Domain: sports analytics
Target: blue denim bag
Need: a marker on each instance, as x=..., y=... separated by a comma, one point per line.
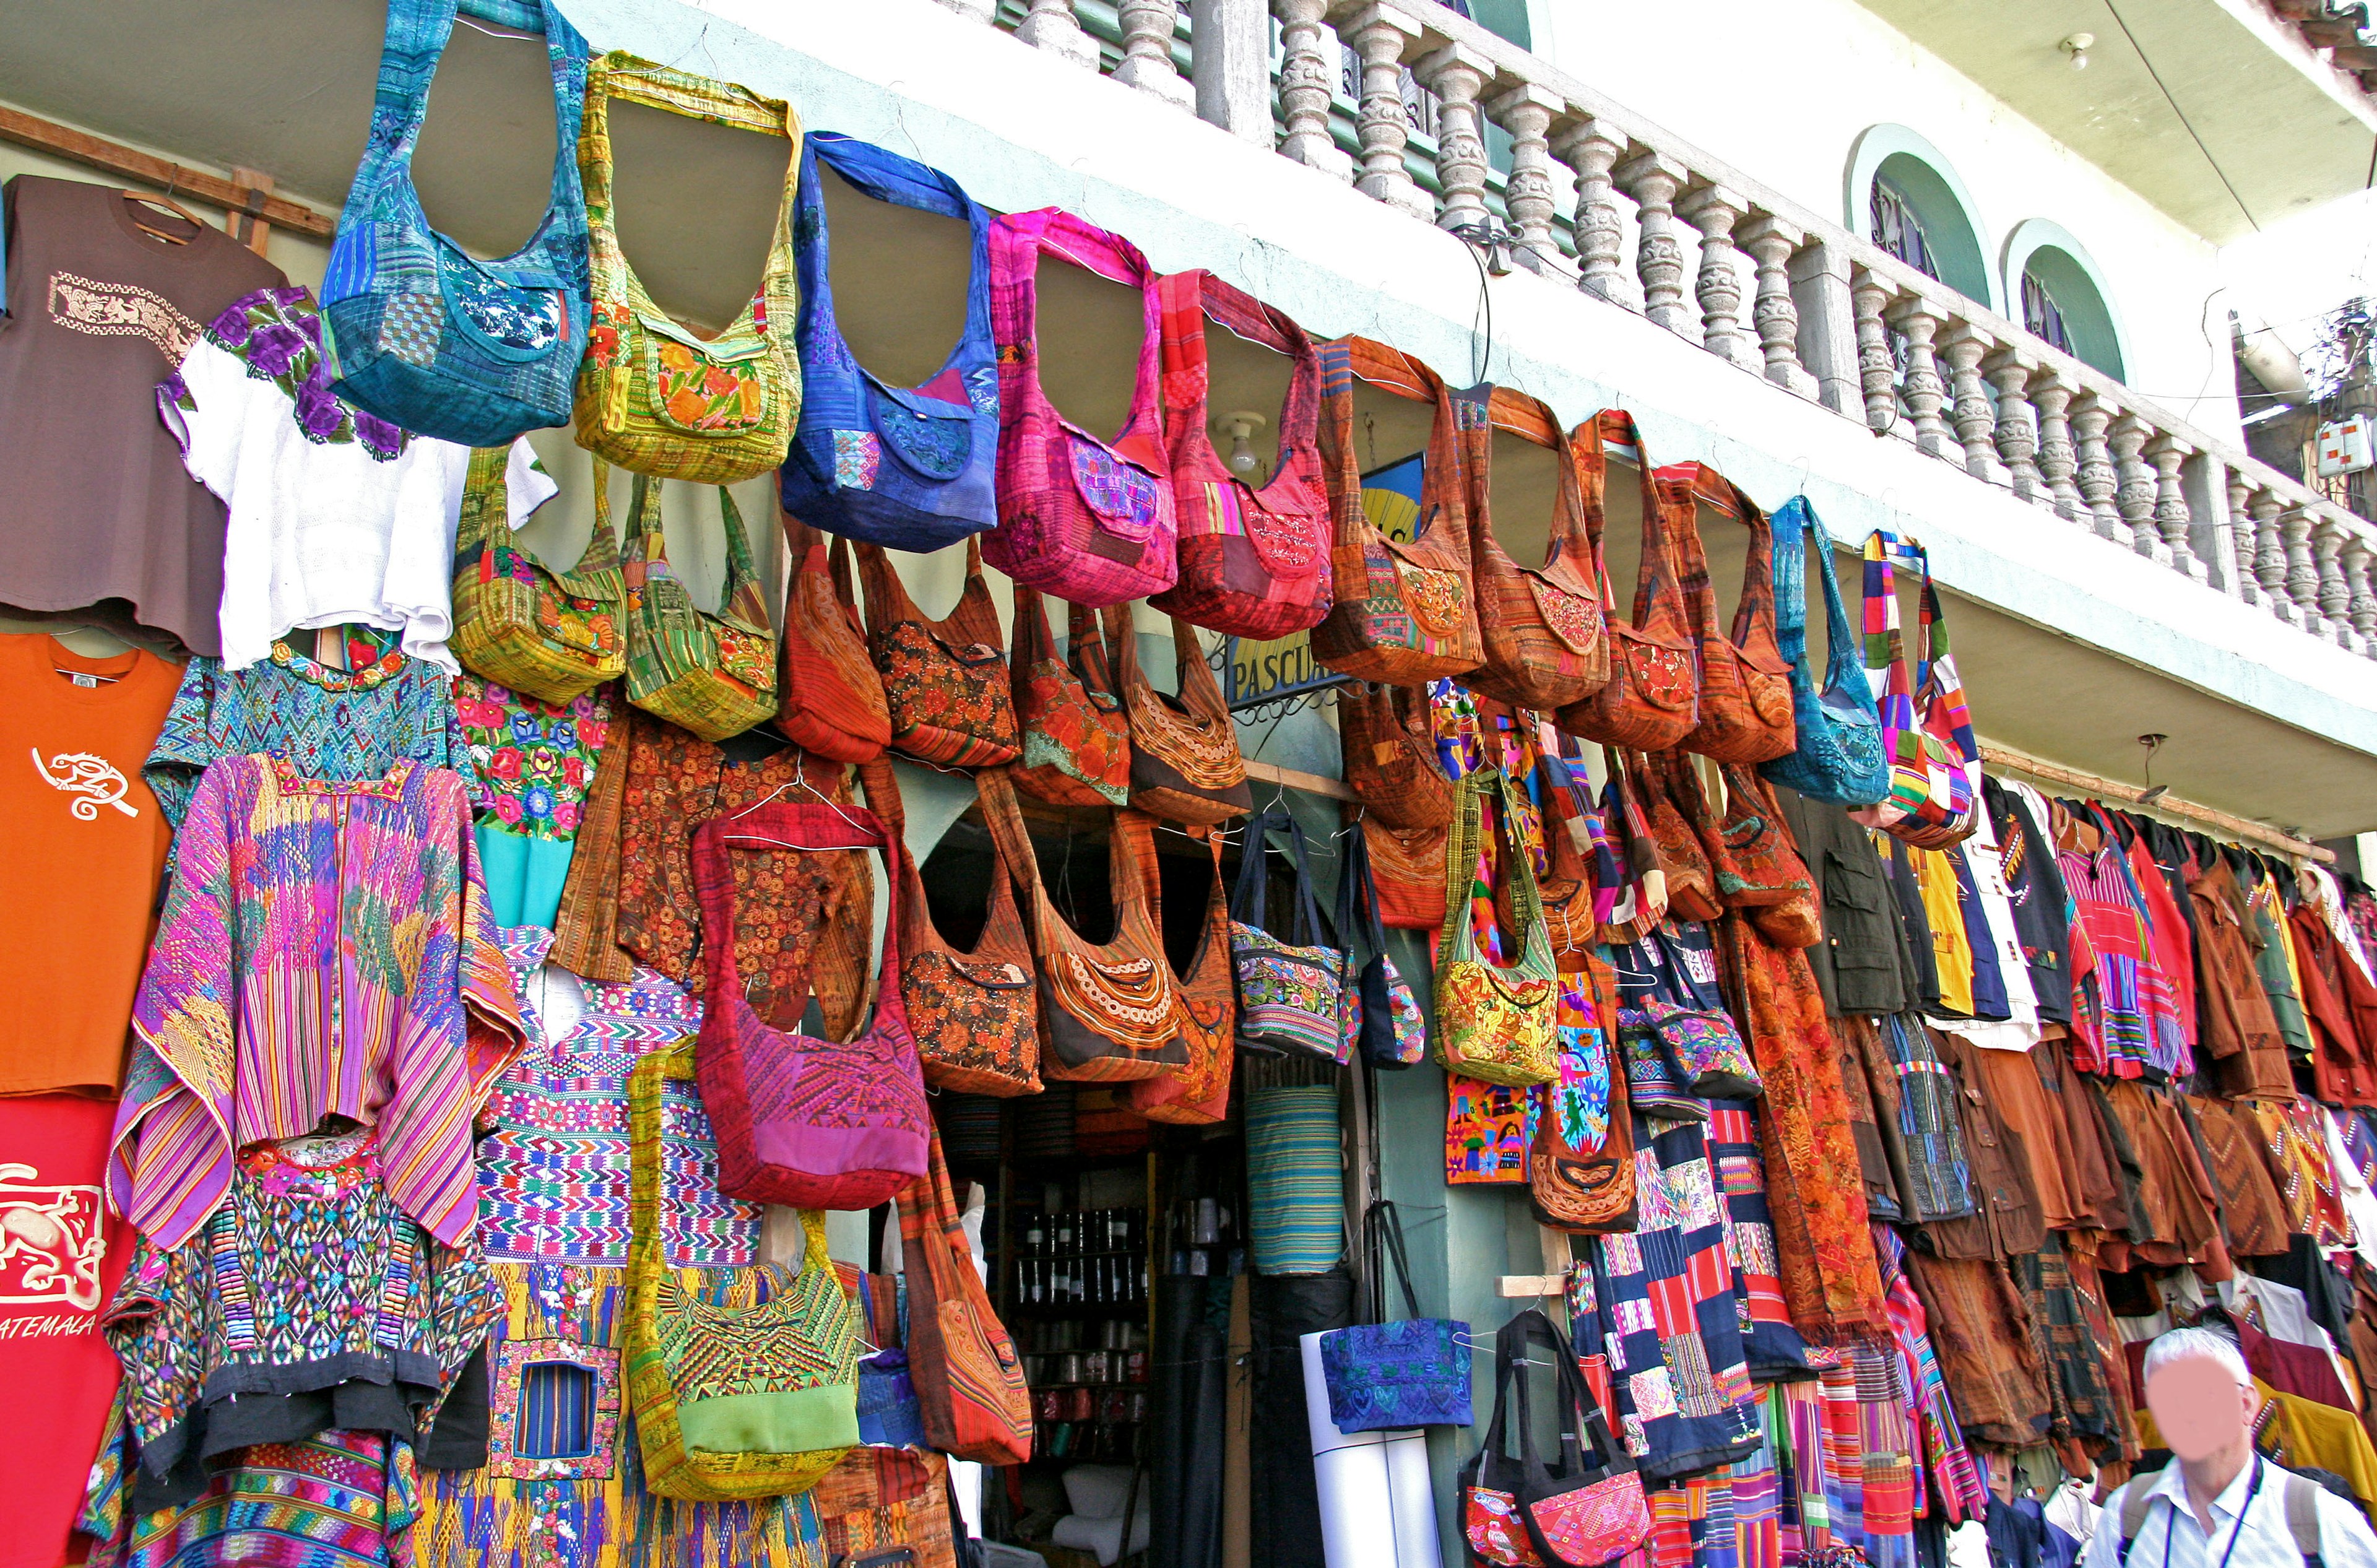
x=1840, y=756
x=909, y=469
x=1390, y=1376
x=417, y=330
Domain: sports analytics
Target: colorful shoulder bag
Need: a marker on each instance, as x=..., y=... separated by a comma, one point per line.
x=1935, y=798
x=417, y=330
x=1520, y=1512
x=1391, y=763
x=1394, y=1025
x=1493, y=1020
x=908, y=468
x=1544, y=628
x=826, y=1124
x=712, y=675
x=1076, y=735
x=1185, y=763
x=969, y=1380
x=1197, y=1093
x=1086, y=519
x=1295, y=999
x=1836, y=753
x=731, y=1401
x=653, y=395
x=1745, y=681
x=945, y=681
x=1404, y=611
x=1581, y=1165
x=1109, y=1012
x=1391, y=1376
x=1652, y=699
x=1254, y=558
x=551, y=635
x=1407, y=868
x=832, y=702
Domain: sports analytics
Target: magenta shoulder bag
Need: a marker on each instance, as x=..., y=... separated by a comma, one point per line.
x=1088, y=521
x=812, y=1123
x=1520, y=1513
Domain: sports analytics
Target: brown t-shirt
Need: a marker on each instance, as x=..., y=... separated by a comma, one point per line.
x=103, y=521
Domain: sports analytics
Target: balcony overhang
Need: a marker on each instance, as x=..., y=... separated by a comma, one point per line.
x=2287, y=129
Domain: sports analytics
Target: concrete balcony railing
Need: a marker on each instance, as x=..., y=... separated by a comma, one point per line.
x=1729, y=265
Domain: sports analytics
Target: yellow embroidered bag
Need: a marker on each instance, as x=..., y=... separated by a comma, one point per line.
x=712, y=675
x=652, y=395
x=1493, y=1020
x=552, y=635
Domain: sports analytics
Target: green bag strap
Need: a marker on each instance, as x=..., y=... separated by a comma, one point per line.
x=743, y=604
x=645, y=542
x=483, y=494
x=1458, y=940
x=486, y=520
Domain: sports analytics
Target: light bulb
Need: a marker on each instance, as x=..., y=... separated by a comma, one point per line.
x=1239, y=425
x=2077, y=47
x=1242, y=451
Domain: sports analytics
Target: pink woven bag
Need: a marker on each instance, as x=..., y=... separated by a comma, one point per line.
x=1088, y=521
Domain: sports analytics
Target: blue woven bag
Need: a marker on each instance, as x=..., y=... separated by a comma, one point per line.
x=1839, y=756
x=422, y=333
x=909, y=469
x=1391, y=1376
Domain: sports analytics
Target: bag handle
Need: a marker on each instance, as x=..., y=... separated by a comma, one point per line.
x=1017, y=242
x=1357, y=894
x=885, y=596
x=1086, y=652
x=1655, y=573
x=1800, y=534
x=1191, y=299
x=902, y=181
x=485, y=497
x=1248, y=903
x=743, y=604
x=1386, y=1223
x=1390, y=370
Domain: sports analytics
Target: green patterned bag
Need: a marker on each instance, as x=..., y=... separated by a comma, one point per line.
x=652, y=395
x=732, y=1399
x=553, y=635
x=712, y=675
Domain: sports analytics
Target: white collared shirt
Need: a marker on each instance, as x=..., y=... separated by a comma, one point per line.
x=2345, y=1537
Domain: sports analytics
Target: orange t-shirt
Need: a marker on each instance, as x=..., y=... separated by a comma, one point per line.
x=80, y=861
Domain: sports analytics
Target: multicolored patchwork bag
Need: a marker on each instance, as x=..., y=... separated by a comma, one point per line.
x=1404, y=613
x=1652, y=699
x=832, y=700
x=1493, y=1020
x=814, y=1123
x=969, y=1380
x=1546, y=644
x=1745, y=704
x=1295, y=999
x=712, y=675
x=653, y=395
x=1391, y=763
x=1837, y=754
x=1254, y=558
x=417, y=330
x=1393, y=1032
x=1197, y=1093
x=1076, y=735
x=910, y=468
x=705, y=1380
x=945, y=681
x=1520, y=1512
x=1394, y=1376
x=1935, y=763
x=553, y=635
x=1704, y=1050
x=1185, y=763
x=1086, y=519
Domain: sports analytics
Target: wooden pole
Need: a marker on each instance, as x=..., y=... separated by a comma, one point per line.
x=114, y=158
x=2021, y=762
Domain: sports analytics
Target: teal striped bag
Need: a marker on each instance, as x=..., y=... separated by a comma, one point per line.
x=1297, y=1176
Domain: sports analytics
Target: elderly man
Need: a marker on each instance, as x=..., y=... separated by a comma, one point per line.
x=2219, y=1504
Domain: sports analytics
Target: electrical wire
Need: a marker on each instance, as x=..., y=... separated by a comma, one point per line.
x=2183, y=120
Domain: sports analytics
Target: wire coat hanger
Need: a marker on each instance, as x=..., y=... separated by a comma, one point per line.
x=800, y=781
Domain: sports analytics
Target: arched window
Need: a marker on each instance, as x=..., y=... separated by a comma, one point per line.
x=1905, y=199
x=2063, y=297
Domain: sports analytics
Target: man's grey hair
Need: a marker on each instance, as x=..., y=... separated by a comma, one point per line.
x=2184, y=1344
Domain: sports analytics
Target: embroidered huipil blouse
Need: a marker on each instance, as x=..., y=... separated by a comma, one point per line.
x=326, y=948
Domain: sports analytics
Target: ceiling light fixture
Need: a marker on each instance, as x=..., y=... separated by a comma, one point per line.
x=1241, y=426
x=2077, y=47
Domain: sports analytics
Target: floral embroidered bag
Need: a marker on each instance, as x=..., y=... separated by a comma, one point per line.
x=910, y=468
x=712, y=675
x=1076, y=735
x=814, y=1123
x=1295, y=999
x=975, y=1014
x=1393, y=1026
x=704, y=1378
x=1493, y=1019
x=1404, y=613
x=1185, y=763
x=554, y=635
x=833, y=699
x=1254, y=558
x=946, y=680
x=1652, y=699
x=417, y=330
x=1520, y=1512
x=1388, y=737
x=1086, y=519
x=1392, y=1376
x=1934, y=800
x=653, y=395
x=1543, y=627
x=1745, y=704
x=1198, y=1092
x=1836, y=754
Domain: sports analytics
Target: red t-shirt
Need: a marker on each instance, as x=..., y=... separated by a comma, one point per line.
x=61, y=1256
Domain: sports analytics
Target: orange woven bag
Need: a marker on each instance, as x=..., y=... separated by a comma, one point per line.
x=1650, y=700
x=1745, y=682
x=831, y=699
x=1544, y=628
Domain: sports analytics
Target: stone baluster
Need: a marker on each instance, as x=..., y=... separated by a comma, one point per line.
x=2241, y=581
x=1713, y=211
x=1919, y=321
x=1308, y=86
x=2270, y=557
x=2134, y=494
x=2172, y=519
x=2058, y=459
x=2017, y=435
x=2301, y=584
x=1381, y=35
x=1869, y=296
x=2098, y=478
x=973, y=10
x=1975, y=418
x=1770, y=242
x=1456, y=74
x=2334, y=594
x=1526, y=111
x=1050, y=25
x=1652, y=179
x=1147, y=27
x=1587, y=147
x=2360, y=601
x=1230, y=67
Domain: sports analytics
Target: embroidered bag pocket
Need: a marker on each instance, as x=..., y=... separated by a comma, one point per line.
x=705, y=389
x=1704, y=1051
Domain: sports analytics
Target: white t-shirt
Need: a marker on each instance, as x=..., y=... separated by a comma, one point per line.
x=336, y=524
